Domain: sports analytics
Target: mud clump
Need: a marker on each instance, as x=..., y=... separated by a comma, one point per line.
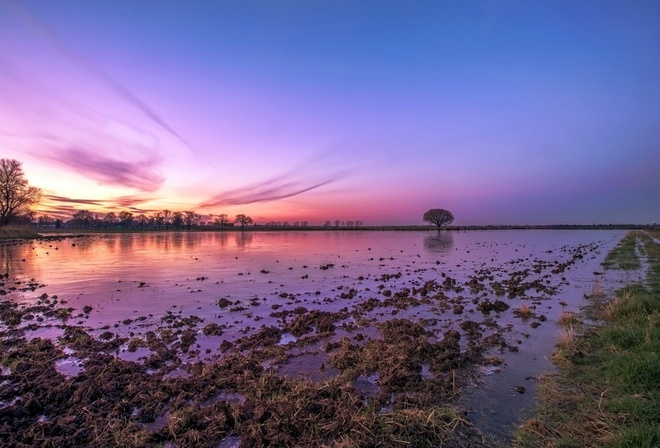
x=322, y=322
x=486, y=306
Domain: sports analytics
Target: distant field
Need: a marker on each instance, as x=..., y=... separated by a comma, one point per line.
x=14, y=232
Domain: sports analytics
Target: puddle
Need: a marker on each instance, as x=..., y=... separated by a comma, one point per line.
x=136, y=355
x=230, y=442
x=229, y=397
x=6, y=404
x=69, y=367
x=159, y=422
x=312, y=366
x=367, y=385
x=426, y=372
x=286, y=338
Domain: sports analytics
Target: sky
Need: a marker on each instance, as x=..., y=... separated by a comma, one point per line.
x=504, y=112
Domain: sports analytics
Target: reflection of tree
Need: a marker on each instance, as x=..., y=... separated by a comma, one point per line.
x=243, y=239
x=221, y=238
x=439, y=242
x=4, y=252
x=126, y=243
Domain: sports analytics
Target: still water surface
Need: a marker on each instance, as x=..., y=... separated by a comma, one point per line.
x=142, y=277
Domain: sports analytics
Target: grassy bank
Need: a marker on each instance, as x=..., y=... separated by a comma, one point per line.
x=607, y=389
x=623, y=256
x=17, y=232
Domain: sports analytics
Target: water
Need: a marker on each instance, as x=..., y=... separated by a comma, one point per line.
x=134, y=281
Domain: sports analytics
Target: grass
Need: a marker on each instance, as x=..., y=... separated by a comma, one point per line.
x=524, y=311
x=12, y=232
x=567, y=319
x=624, y=255
x=606, y=390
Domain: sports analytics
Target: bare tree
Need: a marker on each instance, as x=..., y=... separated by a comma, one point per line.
x=222, y=220
x=167, y=218
x=159, y=219
x=243, y=220
x=45, y=221
x=191, y=218
x=142, y=220
x=82, y=218
x=125, y=218
x=16, y=196
x=110, y=219
x=177, y=220
x=438, y=216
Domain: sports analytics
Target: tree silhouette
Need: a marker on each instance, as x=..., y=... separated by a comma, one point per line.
x=167, y=218
x=16, y=196
x=243, y=220
x=142, y=220
x=159, y=219
x=82, y=218
x=125, y=218
x=177, y=220
x=110, y=219
x=438, y=216
x=221, y=220
x=190, y=218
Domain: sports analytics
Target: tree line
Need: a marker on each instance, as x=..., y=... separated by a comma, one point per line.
x=17, y=199
x=163, y=220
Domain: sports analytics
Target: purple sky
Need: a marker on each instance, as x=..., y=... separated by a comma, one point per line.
x=505, y=112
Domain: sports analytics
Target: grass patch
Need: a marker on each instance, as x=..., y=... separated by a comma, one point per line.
x=17, y=232
x=567, y=319
x=606, y=390
x=623, y=256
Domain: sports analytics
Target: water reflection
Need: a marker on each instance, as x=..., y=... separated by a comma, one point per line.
x=440, y=242
x=243, y=239
x=221, y=238
x=126, y=245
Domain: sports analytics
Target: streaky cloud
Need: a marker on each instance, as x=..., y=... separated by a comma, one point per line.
x=140, y=175
x=66, y=200
x=113, y=84
x=308, y=175
x=274, y=189
x=131, y=201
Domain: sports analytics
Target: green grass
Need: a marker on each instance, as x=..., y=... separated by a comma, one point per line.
x=623, y=256
x=607, y=390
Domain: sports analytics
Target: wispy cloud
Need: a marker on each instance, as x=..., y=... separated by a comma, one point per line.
x=131, y=201
x=270, y=190
x=72, y=128
x=64, y=199
x=64, y=206
x=308, y=176
x=94, y=69
x=139, y=174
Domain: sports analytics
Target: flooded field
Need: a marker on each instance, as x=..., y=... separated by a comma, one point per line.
x=467, y=318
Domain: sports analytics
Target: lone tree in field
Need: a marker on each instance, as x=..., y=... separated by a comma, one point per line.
x=439, y=216
x=16, y=196
x=243, y=220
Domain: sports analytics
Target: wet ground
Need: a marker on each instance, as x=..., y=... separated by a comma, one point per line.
x=399, y=321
